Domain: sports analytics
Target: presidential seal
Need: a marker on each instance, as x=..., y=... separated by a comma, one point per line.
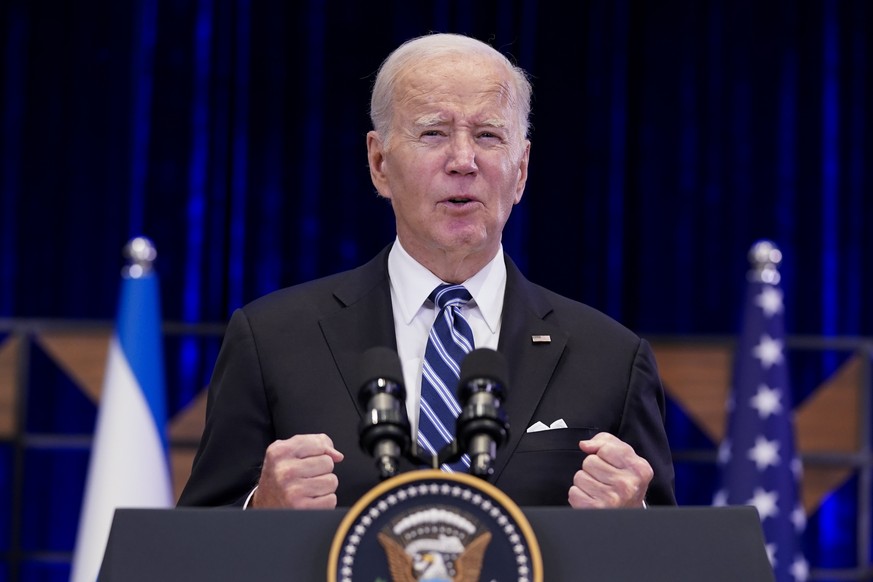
x=438, y=527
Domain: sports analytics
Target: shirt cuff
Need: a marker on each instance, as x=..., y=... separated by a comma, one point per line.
x=249, y=498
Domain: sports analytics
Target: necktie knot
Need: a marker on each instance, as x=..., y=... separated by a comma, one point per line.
x=450, y=295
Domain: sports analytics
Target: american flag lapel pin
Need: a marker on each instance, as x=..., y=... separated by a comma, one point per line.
x=541, y=339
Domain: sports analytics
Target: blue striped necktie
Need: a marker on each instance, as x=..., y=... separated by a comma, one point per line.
x=450, y=339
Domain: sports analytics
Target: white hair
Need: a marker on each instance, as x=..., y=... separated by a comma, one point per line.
x=434, y=45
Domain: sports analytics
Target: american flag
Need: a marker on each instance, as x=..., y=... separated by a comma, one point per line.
x=757, y=458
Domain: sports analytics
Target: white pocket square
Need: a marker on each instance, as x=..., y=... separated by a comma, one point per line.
x=540, y=426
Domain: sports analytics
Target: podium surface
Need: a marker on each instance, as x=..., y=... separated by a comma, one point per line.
x=656, y=544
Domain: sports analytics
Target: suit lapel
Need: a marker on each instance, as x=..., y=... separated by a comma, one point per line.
x=532, y=347
x=364, y=320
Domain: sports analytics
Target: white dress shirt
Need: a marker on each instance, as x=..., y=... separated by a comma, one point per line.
x=414, y=314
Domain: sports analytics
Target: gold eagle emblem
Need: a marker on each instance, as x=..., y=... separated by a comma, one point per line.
x=431, y=564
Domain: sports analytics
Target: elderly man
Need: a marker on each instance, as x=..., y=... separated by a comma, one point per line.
x=449, y=150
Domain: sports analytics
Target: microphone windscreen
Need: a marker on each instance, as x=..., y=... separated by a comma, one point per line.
x=380, y=362
x=484, y=363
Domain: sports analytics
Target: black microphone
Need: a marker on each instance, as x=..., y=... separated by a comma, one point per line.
x=384, y=430
x=482, y=426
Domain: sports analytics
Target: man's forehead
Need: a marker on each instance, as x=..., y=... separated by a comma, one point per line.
x=448, y=78
x=426, y=103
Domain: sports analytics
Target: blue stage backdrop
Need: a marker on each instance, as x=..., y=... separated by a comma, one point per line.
x=667, y=138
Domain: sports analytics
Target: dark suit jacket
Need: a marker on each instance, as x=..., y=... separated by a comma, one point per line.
x=287, y=366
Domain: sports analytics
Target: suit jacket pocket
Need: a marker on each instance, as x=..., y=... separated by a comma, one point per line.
x=541, y=469
x=559, y=439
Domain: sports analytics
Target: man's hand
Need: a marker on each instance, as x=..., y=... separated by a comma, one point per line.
x=612, y=475
x=298, y=473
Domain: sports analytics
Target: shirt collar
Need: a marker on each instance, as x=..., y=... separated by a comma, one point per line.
x=412, y=283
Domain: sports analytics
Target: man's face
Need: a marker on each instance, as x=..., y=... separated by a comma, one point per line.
x=455, y=161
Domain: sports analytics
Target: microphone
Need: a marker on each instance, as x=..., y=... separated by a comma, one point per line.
x=482, y=426
x=384, y=429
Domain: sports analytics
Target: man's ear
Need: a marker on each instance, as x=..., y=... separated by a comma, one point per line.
x=376, y=159
x=522, y=172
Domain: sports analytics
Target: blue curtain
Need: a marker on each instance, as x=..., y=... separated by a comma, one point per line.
x=667, y=138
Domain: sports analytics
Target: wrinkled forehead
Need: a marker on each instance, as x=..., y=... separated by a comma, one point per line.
x=465, y=81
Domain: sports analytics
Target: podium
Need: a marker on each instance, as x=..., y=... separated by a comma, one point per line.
x=657, y=544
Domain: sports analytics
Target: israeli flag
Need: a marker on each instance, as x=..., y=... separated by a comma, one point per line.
x=129, y=462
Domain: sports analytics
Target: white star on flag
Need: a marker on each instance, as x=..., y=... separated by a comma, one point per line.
x=798, y=517
x=724, y=451
x=770, y=300
x=765, y=453
x=797, y=469
x=766, y=401
x=769, y=351
x=800, y=569
x=771, y=553
x=765, y=503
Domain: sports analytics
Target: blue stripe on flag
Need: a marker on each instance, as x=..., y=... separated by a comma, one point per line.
x=139, y=334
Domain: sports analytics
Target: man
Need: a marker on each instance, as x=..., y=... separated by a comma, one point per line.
x=449, y=150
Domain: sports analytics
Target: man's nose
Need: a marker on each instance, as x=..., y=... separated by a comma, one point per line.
x=461, y=155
